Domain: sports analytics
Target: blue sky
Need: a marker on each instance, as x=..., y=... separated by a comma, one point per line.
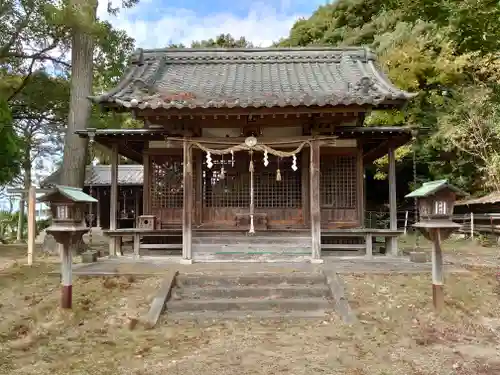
x=156, y=23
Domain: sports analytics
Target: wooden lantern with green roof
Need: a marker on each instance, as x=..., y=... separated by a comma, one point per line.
x=68, y=206
x=68, y=226
x=436, y=200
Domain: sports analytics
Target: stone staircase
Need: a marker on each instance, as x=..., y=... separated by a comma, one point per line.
x=229, y=246
x=255, y=295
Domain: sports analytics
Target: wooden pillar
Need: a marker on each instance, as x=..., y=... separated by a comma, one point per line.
x=360, y=191
x=146, y=190
x=393, y=241
x=137, y=198
x=31, y=224
x=437, y=270
x=315, y=199
x=187, y=211
x=305, y=186
x=98, y=209
x=66, y=276
x=114, y=243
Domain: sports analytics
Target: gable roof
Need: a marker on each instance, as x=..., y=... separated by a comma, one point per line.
x=72, y=193
x=431, y=187
x=100, y=175
x=253, y=78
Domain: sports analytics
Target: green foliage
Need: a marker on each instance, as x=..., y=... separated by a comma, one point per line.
x=220, y=41
x=10, y=158
x=223, y=41
x=35, y=81
x=435, y=48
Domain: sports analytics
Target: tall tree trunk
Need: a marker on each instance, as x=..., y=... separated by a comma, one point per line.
x=82, y=50
x=22, y=201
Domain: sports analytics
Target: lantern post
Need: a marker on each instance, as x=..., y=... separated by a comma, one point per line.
x=436, y=200
x=68, y=226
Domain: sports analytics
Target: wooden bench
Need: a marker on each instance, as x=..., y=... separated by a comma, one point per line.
x=138, y=234
x=367, y=233
x=259, y=220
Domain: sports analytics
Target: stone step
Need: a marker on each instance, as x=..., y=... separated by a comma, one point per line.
x=251, y=249
x=201, y=316
x=275, y=291
x=249, y=240
x=254, y=279
x=248, y=304
x=228, y=257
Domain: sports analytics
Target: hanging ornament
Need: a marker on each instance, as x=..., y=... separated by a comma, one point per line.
x=232, y=158
x=294, y=163
x=266, y=160
x=278, y=172
x=250, y=167
x=209, y=161
x=222, y=171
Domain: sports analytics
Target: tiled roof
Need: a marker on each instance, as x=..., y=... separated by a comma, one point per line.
x=100, y=175
x=229, y=78
x=491, y=198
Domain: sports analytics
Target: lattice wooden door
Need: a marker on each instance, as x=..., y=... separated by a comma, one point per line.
x=338, y=190
x=225, y=198
x=167, y=188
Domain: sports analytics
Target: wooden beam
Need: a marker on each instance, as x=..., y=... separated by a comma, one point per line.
x=314, y=170
x=222, y=113
x=31, y=224
x=26, y=191
x=187, y=211
x=383, y=146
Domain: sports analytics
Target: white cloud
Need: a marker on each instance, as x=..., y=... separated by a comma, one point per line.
x=262, y=25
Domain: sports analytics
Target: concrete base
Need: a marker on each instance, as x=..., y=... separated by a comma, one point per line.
x=317, y=261
x=186, y=261
x=89, y=257
x=418, y=257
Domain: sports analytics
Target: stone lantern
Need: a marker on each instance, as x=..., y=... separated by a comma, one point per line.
x=68, y=226
x=436, y=200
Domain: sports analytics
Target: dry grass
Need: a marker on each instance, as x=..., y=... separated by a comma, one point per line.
x=398, y=334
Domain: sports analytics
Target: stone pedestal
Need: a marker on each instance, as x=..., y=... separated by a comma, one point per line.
x=89, y=257
x=419, y=257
